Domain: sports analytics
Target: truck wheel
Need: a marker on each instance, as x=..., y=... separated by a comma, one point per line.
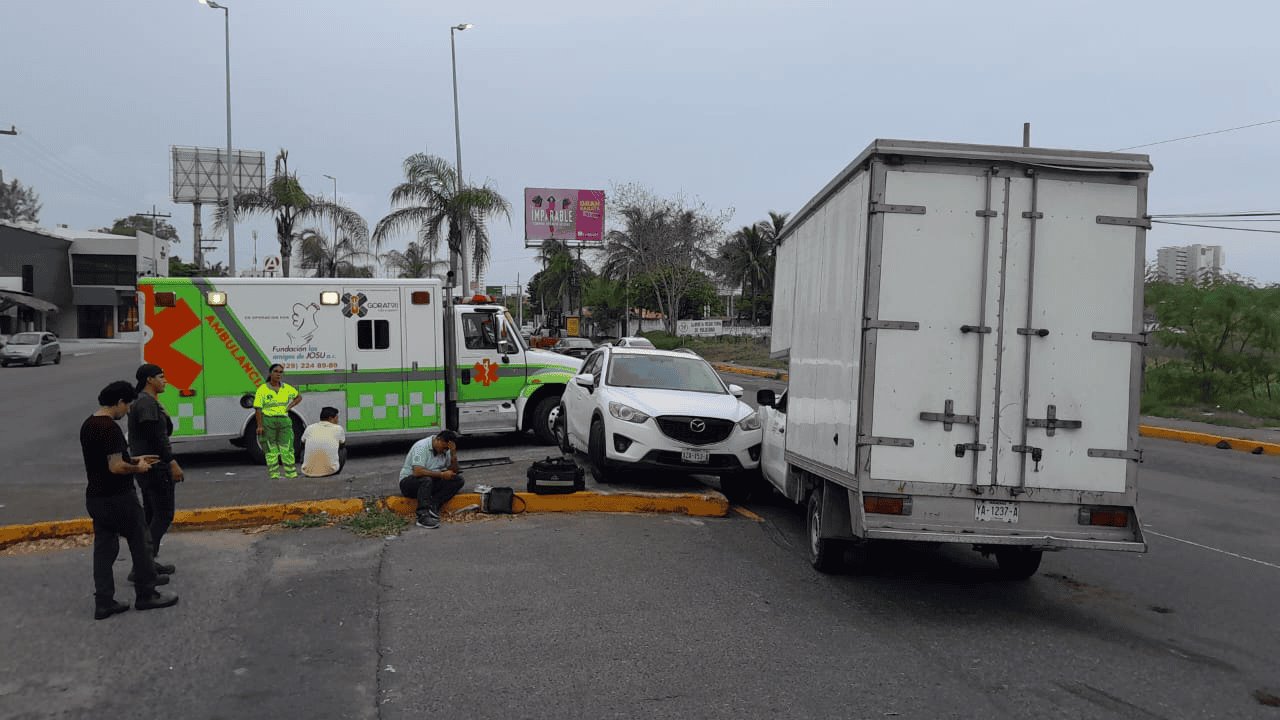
x=562, y=432
x=595, y=454
x=740, y=487
x=825, y=554
x=257, y=455
x=57, y=359
x=544, y=417
x=1018, y=563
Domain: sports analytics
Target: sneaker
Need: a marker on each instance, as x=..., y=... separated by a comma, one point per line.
x=160, y=579
x=428, y=521
x=156, y=600
x=102, y=612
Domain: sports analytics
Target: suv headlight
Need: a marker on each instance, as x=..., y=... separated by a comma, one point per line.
x=626, y=413
x=750, y=422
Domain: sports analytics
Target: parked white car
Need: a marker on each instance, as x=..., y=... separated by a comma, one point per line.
x=633, y=408
x=634, y=342
x=31, y=348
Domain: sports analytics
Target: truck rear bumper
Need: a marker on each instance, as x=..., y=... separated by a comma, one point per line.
x=1024, y=539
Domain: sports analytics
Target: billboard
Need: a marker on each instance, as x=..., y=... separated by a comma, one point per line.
x=198, y=178
x=570, y=216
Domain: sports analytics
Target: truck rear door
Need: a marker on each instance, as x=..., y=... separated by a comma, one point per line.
x=1003, y=329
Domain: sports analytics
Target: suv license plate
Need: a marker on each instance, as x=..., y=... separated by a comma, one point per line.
x=695, y=456
x=989, y=511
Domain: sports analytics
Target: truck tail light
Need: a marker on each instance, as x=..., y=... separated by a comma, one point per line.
x=886, y=504
x=1104, y=517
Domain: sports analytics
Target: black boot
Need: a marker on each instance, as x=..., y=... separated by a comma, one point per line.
x=160, y=579
x=104, y=611
x=162, y=569
x=155, y=599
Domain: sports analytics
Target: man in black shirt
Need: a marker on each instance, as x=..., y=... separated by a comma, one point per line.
x=149, y=430
x=113, y=505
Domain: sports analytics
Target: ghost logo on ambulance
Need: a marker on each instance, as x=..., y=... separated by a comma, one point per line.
x=354, y=305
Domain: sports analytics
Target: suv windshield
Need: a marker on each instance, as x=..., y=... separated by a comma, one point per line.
x=662, y=372
x=25, y=339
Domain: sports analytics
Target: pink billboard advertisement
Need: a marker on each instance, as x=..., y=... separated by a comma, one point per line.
x=565, y=215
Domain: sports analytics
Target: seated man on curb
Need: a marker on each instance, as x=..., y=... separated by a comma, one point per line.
x=324, y=445
x=430, y=474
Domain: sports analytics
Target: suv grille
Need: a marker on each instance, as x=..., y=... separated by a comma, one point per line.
x=681, y=427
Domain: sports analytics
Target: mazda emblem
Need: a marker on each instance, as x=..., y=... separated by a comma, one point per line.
x=697, y=426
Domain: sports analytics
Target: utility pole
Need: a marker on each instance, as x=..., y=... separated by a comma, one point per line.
x=197, y=249
x=1026, y=134
x=155, y=216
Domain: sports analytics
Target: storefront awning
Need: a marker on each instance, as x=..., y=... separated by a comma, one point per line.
x=9, y=298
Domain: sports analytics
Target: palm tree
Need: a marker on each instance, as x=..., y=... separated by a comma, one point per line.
x=333, y=259
x=430, y=203
x=289, y=205
x=748, y=257
x=418, y=261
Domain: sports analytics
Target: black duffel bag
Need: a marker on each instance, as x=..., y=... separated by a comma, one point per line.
x=555, y=475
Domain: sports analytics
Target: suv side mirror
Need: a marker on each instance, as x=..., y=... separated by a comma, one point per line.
x=765, y=398
x=586, y=380
x=736, y=390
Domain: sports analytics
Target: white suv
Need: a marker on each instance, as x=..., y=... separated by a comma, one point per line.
x=632, y=408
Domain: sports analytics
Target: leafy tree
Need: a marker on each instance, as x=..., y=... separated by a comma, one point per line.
x=660, y=240
x=607, y=300
x=289, y=205
x=430, y=203
x=334, y=260
x=18, y=203
x=417, y=261
x=177, y=268
x=132, y=224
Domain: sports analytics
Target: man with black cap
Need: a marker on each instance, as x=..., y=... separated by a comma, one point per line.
x=149, y=431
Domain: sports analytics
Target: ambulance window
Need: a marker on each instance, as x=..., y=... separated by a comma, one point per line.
x=478, y=331
x=373, y=334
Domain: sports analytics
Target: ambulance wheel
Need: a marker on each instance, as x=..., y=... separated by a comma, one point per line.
x=825, y=554
x=544, y=417
x=1018, y=563
x=257, y=455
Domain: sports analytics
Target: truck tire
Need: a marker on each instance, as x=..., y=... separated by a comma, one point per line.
x=595, y=454
x=257, y=455
x=543, y=419
x=1018, y=563
x=825, y=554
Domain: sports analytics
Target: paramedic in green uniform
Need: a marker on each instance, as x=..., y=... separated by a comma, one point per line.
x=275, y=428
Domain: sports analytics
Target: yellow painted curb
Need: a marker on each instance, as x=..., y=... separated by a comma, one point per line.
x=1198, y=438
x=770, y=374
x=692, y=504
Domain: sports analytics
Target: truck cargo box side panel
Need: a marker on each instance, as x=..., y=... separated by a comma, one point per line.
x=784, y=288
x=1083, y=283
x=932, y=273
x=825, y=356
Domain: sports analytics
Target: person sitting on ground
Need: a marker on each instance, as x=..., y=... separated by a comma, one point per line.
x=324, y=445
x=430, y=475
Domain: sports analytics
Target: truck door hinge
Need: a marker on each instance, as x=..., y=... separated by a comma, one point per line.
x=1134, y=455
x=869, y=324
x=1051, y=422
x=885, y=441
x=1142, y=222
x=948, y=417
x=980, y=329
x=1136, y=338
x=1038, y=332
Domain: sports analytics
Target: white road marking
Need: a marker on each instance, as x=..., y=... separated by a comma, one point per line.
x=1214, y=549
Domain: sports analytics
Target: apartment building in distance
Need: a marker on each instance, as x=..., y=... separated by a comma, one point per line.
x=1189, y=262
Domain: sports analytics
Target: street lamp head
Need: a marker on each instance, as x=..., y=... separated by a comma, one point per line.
x=462, y=26
x=212, y=4
x=331, y=177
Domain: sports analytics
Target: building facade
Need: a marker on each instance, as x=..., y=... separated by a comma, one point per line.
x=1189, y=262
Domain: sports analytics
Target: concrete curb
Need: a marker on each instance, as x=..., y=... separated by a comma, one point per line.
x=1199, y=438
x=710, y=504
x=754, y=372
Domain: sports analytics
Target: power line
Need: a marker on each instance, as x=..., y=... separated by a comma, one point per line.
x=1243, y=214
x=1216, y=227
x=1199, y=135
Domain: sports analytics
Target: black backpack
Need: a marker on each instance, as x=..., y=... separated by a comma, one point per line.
x=555, y=476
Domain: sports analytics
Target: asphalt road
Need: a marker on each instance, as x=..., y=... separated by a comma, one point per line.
x=43, y=478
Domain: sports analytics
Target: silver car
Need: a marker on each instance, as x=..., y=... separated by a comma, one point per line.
x=31, y=348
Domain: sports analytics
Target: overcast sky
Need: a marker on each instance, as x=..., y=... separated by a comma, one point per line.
x=748, y=105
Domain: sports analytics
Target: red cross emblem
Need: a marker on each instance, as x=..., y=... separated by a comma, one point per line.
x=486, y=374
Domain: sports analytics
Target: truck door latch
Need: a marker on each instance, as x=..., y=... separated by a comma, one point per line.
x=1036, y=453
x=962, y=447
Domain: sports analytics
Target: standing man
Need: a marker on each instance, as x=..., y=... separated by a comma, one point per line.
x=112, y=504
x=272, y=404
x=149, y=431
x=430, y=474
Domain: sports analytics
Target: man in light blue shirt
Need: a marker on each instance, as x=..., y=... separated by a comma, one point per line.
x=430, y=475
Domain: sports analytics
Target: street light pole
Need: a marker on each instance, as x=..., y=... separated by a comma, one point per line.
x=231, y=198
x=457, y=144
x=335, y=223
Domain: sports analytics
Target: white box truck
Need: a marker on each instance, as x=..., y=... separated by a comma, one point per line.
x=963, y=326
x=373, y=349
